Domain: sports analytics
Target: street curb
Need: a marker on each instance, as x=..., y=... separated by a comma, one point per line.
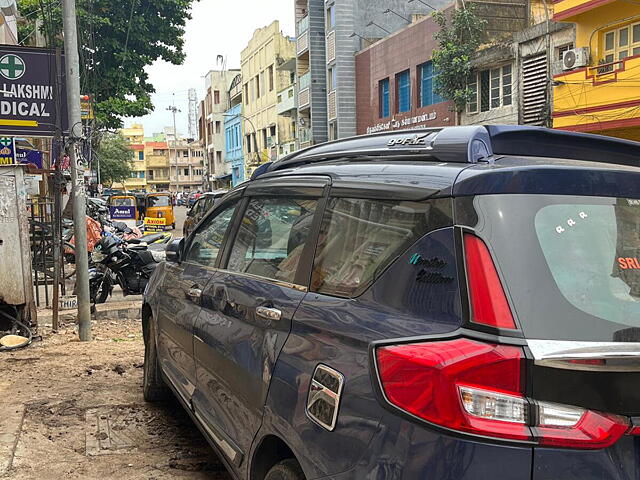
x=106, y=311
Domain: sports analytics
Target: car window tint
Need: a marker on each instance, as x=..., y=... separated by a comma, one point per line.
x=360, y=238
x=207, y=241
x=271, y=237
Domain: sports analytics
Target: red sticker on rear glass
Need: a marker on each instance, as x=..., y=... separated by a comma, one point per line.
x=628, y=263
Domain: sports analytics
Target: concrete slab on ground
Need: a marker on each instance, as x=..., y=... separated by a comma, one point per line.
x=125, y=310
x=11, y=420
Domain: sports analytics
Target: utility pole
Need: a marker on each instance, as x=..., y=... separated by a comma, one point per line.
x=175, y=110
x=72, y=66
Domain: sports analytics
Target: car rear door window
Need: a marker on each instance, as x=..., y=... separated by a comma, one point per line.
x=359, y=238
x=207, y=241
x=271, y=237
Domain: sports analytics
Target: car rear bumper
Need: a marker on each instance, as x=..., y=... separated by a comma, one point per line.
x=408, y=451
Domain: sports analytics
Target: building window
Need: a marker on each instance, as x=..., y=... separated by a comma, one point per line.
x=621, y=43
x=426, y=84
x=246, y=94
x=561, y=49
x=490, y=89
x=333, y=131
x=403, y=91
x=218, y=156
x=271, y=78
x=140, y=155
x=383, y=86
x=257, y=84
x=185, y=153
x=331, y=18
x=216, y=97
x=141, y=175
x=218, y=126
x=186, y=172
x=332, y=78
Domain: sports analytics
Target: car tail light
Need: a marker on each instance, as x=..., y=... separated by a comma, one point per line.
x=461, y=384
x=478, y=388
x=488, y=300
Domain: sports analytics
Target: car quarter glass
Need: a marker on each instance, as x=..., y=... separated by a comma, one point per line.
x=359, y=238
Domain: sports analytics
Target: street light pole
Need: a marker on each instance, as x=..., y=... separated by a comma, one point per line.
x=72, y=66
x=173, y=109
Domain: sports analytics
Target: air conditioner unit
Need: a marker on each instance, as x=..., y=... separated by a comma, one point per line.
x=575, y=58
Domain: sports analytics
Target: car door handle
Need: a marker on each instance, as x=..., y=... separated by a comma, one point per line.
x=269, y=313
x=194, y=294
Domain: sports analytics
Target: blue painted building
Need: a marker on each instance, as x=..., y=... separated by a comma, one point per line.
x=233, y=142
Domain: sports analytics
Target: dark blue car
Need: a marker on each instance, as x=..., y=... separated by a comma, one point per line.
x=455, y=303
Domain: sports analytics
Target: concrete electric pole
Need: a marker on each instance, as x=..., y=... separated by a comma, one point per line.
x=174, y=110
x=72, y=66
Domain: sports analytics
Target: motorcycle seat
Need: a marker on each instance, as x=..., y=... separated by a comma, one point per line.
x=151, y=238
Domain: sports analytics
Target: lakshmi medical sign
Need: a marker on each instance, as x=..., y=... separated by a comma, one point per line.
x=28, y=92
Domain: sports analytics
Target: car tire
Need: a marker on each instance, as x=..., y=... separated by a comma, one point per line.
x=288, y=469
x=153, y=387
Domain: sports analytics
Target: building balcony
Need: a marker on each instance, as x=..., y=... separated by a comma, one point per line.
x=154, y=161
x=302, y=43
x=304, y=95
x=331, y=46
x=564, y=10
x=598, y=98
x=286, y=102
x=304, y=137
x=303, y=24
x=332, y=107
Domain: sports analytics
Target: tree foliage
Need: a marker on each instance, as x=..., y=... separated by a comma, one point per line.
x=118, y=39
x=459, y=37
x=115, y=157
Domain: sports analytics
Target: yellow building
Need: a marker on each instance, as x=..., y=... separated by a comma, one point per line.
x=262, y=81
x=138, y=180
x=157, y=161
x=602, y=93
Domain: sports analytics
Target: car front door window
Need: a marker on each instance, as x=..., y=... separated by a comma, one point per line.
x=271, y=237
x=207, y=241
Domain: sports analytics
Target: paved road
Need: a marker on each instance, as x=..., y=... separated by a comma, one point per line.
x=181, y=215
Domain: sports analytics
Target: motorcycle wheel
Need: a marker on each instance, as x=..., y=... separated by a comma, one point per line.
x=99, y=293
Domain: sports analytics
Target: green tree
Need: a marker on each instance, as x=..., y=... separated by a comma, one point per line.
x=118, y=39
x=459, y=37
x=115, y=157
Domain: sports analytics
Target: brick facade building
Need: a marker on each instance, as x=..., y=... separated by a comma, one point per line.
x=395, y=82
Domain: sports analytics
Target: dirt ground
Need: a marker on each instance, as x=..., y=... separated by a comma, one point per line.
x=85, y=416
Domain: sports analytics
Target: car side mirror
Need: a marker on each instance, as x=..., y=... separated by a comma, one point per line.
x=190, y=212
x=174, y=251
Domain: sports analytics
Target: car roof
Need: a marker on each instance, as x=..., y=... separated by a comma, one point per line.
x=431, y=161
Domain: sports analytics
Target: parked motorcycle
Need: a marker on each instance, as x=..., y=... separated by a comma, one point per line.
x=116, y=262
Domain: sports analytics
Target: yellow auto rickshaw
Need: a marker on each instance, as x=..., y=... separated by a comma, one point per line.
x=159, y=211
x=123, y=207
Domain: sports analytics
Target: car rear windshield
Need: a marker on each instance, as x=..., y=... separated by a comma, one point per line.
x=571, y=264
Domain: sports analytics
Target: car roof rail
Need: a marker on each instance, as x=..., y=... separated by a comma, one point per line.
x=467, y=144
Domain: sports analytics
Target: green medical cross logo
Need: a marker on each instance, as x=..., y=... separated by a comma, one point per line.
x=12, y=67
x=6, y=141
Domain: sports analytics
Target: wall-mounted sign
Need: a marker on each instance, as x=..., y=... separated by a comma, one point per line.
x=29, y=156
x=7, y=151
x=27, y=92
x=417, y=121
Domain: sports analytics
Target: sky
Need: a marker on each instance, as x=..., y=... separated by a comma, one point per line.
x=218, y=27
